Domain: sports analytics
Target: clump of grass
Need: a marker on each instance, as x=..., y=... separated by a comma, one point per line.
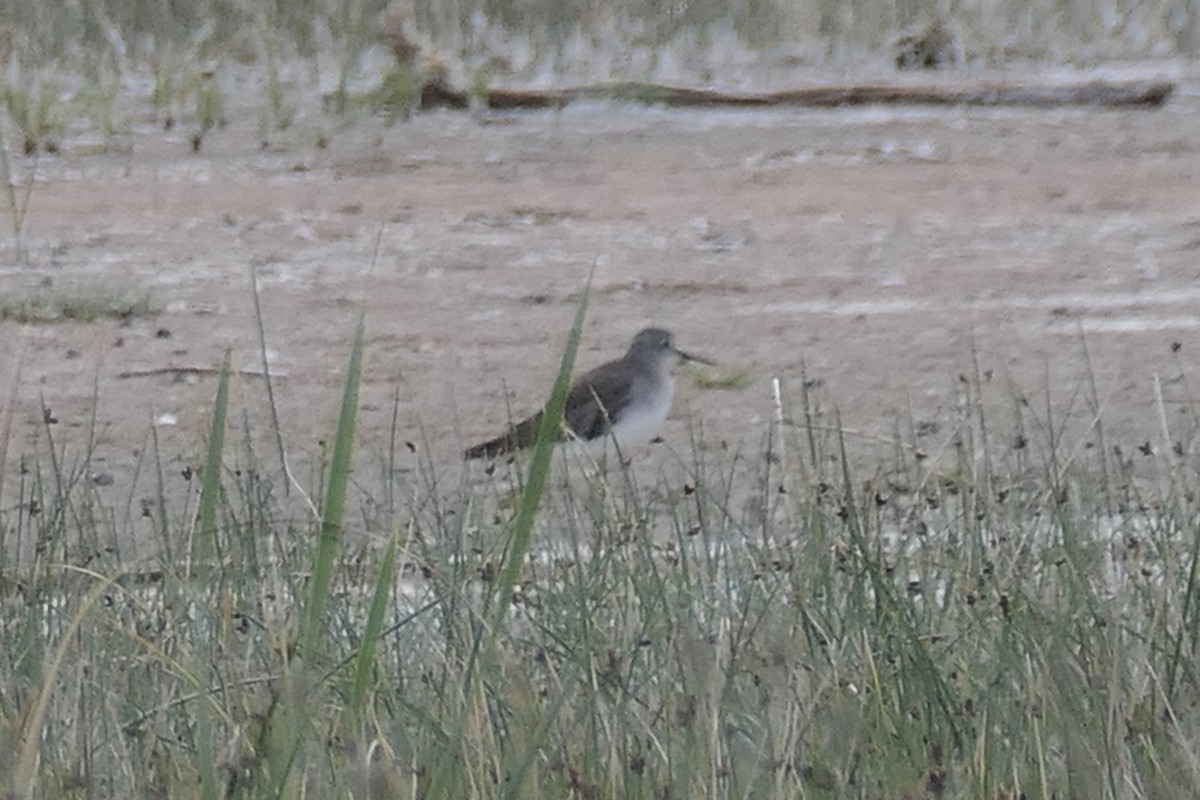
x=399, y=94
x=481, y=84
x=720, y=379
x=279, y=114
x=37, y=112
x=101, y=103
x=166, y=97
x=84, y=304
x=209, y=101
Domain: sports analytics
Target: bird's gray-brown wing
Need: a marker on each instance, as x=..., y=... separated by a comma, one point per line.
x=595, y=399
x=586, y=418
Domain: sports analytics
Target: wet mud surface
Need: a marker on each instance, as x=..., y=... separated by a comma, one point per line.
x=882, y=255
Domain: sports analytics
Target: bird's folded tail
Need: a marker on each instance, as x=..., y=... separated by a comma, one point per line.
x=518, y=437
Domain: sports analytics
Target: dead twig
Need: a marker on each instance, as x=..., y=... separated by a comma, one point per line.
x=152, y=372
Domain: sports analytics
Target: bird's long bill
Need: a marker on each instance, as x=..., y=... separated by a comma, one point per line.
x=686, y=356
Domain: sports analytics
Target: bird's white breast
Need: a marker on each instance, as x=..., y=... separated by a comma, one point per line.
x=640, y=422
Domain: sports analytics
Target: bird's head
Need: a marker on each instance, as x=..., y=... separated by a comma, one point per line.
x=657, y=346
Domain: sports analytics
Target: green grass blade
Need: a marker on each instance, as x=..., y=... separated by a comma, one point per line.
x=335, y=497
x=204, y=535
x=539, y=468
x=365, y=661
x=6, y=419
x=203, y=549
x=277, y=428
x=533, y=747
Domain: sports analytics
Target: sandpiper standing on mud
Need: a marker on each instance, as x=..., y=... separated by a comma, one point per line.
x=627, y=399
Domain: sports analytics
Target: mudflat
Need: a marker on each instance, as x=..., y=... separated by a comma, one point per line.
x=887, y=256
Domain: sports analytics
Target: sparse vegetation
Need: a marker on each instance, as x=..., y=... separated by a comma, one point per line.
x=399, y=94
x=209, y=105
x=175, y=44
x=79, y=304
x=101, y=104
x=481, y=81
x=16, y=197
x=996, y=624
x=165, y=98
x=720, y=378
x=36, y=112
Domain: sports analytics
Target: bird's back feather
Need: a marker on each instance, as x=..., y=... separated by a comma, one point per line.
x=595, y=399
x=583, y=416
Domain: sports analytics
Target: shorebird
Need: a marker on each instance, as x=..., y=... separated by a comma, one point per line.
x=627, y=399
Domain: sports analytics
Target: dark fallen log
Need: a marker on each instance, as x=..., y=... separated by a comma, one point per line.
x=1146, y=94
